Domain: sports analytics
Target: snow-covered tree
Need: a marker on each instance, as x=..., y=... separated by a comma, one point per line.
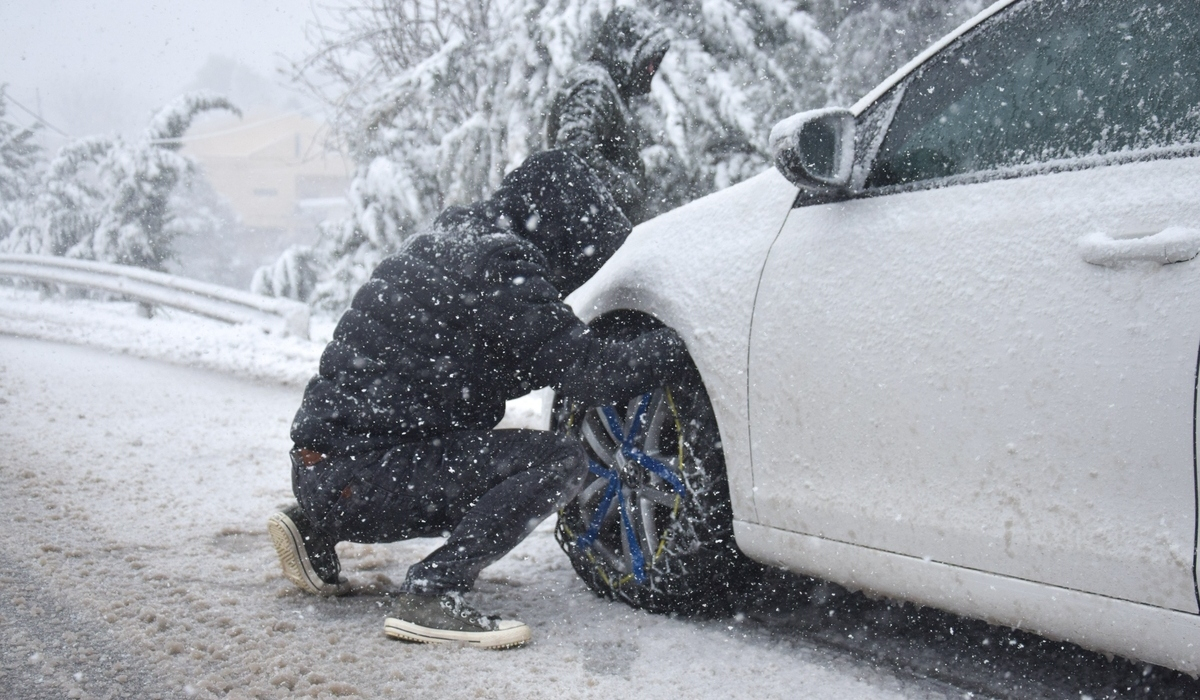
x=297, y=268
x=874, y=38
x=436, y=101
x=20, y=168
x=735, y=68
x=104, y=198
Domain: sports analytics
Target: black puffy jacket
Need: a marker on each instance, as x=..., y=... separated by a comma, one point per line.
x=590, y=114
x=470, y=314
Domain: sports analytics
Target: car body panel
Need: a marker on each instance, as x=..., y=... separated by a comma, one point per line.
x=696, y=269
x=939, y=373
x=1098, y=549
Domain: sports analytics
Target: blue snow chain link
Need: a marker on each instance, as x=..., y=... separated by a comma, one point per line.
x=632, y=453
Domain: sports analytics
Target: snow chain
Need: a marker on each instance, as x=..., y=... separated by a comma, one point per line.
x=614, y=489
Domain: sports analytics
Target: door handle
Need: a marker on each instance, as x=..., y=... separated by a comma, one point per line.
x=1171, y=245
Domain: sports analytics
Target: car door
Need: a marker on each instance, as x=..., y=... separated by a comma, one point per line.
x=937, y=370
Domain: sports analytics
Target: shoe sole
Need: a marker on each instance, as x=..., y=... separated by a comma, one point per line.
x=494, y=639
x=289, y=545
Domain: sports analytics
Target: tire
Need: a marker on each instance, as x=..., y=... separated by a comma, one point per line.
x=652, y=526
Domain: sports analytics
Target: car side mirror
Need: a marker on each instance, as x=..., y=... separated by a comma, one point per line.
x=815, y=149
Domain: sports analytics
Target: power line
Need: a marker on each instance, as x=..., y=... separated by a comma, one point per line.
x=35, y=115
x=233, y=130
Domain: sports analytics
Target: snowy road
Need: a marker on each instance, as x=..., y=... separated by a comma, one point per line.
x=134, y=563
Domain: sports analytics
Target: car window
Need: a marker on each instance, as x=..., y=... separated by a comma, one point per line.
x=1048, y=81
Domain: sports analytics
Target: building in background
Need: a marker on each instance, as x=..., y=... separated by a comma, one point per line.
x=276, y=171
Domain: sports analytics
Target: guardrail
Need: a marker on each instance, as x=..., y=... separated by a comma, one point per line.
x=149, y=287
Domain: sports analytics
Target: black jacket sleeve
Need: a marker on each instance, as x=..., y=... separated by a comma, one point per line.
x=594, y=371
x=586, y=115
x=556, y=349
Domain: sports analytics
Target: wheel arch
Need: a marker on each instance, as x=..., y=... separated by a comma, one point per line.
x=695, y=269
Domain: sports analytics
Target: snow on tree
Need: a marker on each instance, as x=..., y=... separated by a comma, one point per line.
x=875, y=38
x=294, y=275
x=139, y=180
x=67, y=205
x=20, y=166
x=436, y=101
x=734, y=69
x=104, y=198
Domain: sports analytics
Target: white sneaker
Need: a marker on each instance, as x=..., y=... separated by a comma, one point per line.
x=307, y=558
x=446, y=619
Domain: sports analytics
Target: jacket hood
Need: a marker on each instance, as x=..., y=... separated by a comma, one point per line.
x=630, y=41
x=554, y=201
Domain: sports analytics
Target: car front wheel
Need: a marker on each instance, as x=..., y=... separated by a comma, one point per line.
x=652, y=526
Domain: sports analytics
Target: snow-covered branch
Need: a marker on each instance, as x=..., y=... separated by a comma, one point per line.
x=107, y=199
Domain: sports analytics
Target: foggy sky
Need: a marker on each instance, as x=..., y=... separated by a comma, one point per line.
x=105, y=65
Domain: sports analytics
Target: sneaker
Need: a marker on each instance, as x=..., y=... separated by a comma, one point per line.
x=446, y=619
x=307, y=557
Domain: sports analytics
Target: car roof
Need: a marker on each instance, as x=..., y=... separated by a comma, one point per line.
x=868, y=99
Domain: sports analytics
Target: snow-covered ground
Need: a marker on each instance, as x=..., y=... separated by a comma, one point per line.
x=134, y=560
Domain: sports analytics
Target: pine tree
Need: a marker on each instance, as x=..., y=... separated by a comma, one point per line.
x=104, y=198
x=735, y=68
x=139, y=179
x=437, y=102
x=20, y=168
x=67, y=204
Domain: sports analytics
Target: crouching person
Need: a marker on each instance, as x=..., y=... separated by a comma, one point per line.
x=394, y=438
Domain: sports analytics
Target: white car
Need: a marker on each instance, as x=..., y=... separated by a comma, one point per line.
x=946, y=351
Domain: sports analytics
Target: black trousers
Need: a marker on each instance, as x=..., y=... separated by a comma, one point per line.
x=482, y=490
